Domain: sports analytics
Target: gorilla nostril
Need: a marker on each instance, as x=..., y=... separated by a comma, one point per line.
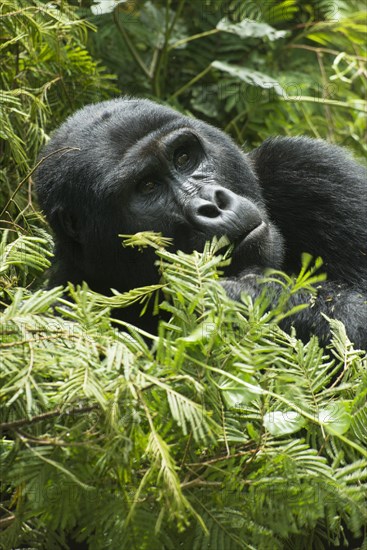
x=221, y=199
x=209, y=210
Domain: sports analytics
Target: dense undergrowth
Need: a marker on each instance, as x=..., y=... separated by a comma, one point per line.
x=220, y=431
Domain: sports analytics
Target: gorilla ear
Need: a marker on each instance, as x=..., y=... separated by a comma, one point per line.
x=68, y=224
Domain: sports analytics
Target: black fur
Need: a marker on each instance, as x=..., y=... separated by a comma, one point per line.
x=133, y=165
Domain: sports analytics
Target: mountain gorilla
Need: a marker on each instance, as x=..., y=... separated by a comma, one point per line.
x=130, y=165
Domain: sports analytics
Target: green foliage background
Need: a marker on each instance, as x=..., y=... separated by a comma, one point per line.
x=221, y=431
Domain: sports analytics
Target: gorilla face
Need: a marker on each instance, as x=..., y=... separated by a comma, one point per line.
x=128, y=165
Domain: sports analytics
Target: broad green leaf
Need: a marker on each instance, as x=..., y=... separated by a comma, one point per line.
x=283, y=422
x=250, y=76
x=335, y=418
x=104, y=6
x=247, y=28
x=237, y=396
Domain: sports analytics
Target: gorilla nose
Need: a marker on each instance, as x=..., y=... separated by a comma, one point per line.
x=214, y=203
x=219, y=211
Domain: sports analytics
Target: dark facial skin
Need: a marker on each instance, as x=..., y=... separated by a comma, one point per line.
x=187, y=193
x=129, y=165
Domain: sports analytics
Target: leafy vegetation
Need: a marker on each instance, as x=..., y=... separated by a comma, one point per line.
x=254, y=68
x=46, y=74
x=221, y=431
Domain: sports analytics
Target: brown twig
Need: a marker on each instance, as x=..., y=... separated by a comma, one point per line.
x=7, y=426
x=31, y=172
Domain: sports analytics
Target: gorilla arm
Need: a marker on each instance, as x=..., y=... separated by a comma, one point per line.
x=333, y=300
x=316, y=195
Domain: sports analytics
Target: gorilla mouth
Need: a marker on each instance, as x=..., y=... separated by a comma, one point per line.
x=254, y=237
x=249, y=249
x=245, y=248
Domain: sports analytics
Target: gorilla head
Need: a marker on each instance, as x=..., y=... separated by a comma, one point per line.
x=131, y=165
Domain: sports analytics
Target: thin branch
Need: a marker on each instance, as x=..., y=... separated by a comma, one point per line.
x=130, y=47
x=11, y=198
x=190, y=83
x=7, y=426
x=323, y=50
x=327, y=109
x=333, y=102
x=194, y=37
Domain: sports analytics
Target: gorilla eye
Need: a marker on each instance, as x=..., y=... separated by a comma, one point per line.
x=181, y=158
x=146, y=187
